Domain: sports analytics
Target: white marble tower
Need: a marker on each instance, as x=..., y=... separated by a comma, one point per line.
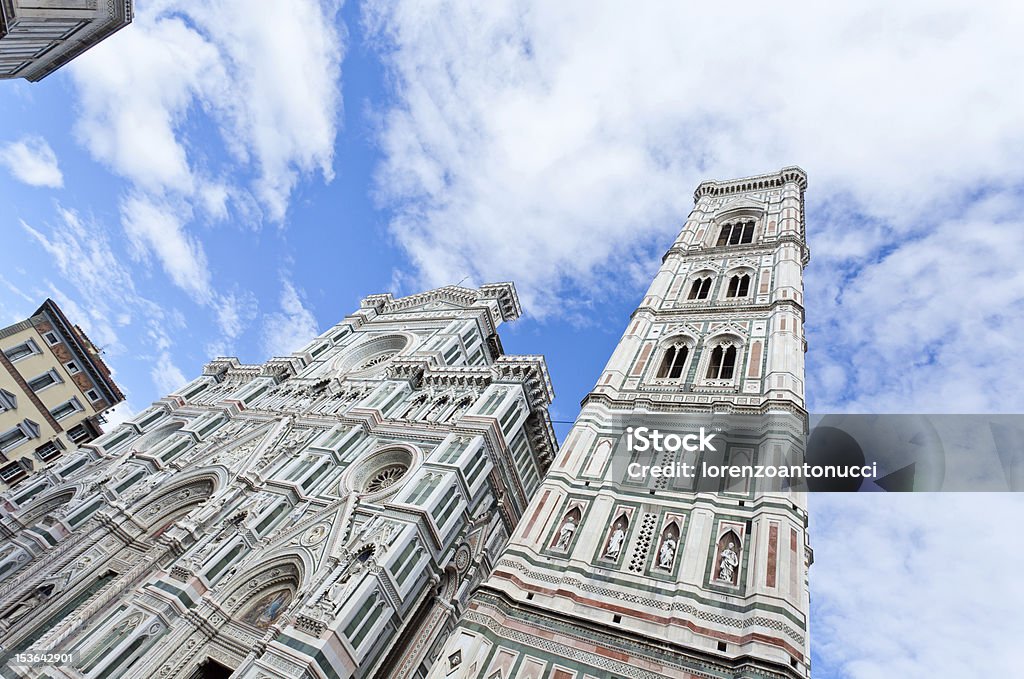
x=609, y=578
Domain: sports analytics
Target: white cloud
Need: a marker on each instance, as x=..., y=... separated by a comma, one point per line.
x=15, y=290
x=235, y=311
x=268, y=80
x=915, y=585
x=31, y=160
x=284, y=100
x=292, y=327
x=155, y=97
x=166, y=376
x=119, y=414
x=81, y=250
x=927, y=327
x=552, y=142
x=136, y=91
x=157, y=227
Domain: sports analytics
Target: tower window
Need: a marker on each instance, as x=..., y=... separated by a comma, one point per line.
x=700, y=288
x=673, y=361
x=736, y=234
x=723, y=363
x=739, y=286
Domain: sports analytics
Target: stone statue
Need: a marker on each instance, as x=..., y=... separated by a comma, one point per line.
x=565, y=535
x=667, y=554
x=728, y=560
x=615, y=542
x=338, y=593
x=38, y=596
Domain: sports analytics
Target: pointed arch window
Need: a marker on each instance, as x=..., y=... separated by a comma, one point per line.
x=700, y=288
x=739, y=286
x=738, y=233
x=723, y=363
x=673, y=362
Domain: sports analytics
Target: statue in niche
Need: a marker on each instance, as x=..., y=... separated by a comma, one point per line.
x=727, y=563
x=198, y=558
x=667, y=554
x=39, y=596
x=343, y=587
x=615, y=542
x=305, y=400
x=336, y=593
x=565, y=533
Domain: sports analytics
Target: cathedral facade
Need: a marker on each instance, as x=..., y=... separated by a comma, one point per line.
x=610, y=576
x=325, y=514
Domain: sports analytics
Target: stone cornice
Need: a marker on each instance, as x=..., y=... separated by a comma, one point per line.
x=759, y=182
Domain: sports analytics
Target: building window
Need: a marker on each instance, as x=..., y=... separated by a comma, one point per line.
x=79, y=433
x=51, y=338
x=736, y=234
x=72, y=367
x=12, y=473
x=739, y=286
x=67, y=408
x=700, y=288
x=49, y=451
x=673, y=362
x=12, y=438
x=47, y=379
x=92, y=396
x=26, y=348
x=15, y=436
x=723, y=363
x=8, y=401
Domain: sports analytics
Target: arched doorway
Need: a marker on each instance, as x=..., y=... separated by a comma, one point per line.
x=211, y=669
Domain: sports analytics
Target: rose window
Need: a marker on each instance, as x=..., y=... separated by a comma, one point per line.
x=385, y=478
x=377, y=360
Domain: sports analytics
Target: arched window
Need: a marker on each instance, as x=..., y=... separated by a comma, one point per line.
x=736, y=234
x=460, y=407
x=416, y=404
x=739, y=286
x=723, y=363
x=437, y=408
x=673, y=361
x=700, y=288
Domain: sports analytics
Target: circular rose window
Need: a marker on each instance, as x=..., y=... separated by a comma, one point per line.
x=385, y=478
x=382, y=471
x=370, y=355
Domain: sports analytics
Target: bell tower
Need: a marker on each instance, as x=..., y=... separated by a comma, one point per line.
x=607, y=576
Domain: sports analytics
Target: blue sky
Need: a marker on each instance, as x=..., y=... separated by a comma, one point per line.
x=218, y=181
